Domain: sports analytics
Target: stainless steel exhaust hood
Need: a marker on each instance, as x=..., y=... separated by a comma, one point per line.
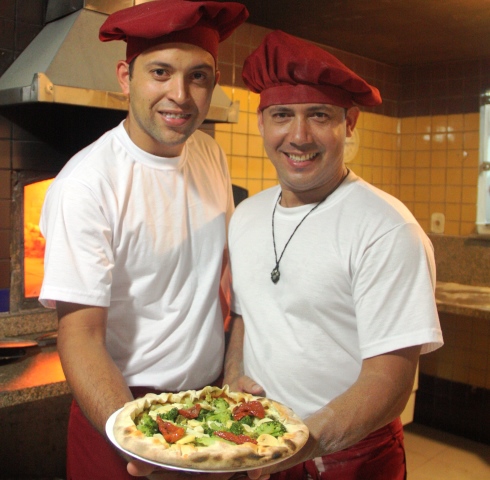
x=67, y=64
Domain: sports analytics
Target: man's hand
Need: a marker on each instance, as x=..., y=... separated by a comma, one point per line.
x=244, y=384
x=234, y=375
x=142, y=469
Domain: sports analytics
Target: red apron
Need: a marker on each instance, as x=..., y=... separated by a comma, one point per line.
x=90, y=456
x=379, y=456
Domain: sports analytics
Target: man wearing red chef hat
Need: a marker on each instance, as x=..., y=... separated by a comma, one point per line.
x=135, y=235
x=333, y=279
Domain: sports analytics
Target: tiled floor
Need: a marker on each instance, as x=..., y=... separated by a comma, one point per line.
x=436, y=455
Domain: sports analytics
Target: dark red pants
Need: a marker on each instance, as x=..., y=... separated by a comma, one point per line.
x=380, y=456
x=90, y=456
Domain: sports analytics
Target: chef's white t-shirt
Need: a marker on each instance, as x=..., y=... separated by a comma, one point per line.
x=144, y=236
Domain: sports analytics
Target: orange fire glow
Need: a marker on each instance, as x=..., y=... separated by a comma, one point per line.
x=33, y=240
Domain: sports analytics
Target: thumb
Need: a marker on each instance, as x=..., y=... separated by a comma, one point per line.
x=250, y=386
x=257, y=475
x=139, y=469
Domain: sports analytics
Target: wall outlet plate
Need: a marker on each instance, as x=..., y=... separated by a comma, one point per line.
x=437, y=222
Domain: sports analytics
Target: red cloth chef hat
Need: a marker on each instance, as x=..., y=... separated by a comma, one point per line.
x=201, y=23
x=285, y=69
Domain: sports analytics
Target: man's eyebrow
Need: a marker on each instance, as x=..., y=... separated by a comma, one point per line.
x=320, y=107
x=156, y=63
x=280, y=108
x=202, y=66
x=159, y=64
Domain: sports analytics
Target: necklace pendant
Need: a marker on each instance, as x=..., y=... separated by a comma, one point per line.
x=275, y=275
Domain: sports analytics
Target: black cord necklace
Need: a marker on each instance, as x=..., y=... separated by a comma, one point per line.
x=276, y=274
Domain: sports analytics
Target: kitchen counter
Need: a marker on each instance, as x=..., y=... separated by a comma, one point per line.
x=464, y=300
x=39, y=375
x=36, y=376
x=34, y=398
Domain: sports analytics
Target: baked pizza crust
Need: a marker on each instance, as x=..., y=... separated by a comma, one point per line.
x=220, y=455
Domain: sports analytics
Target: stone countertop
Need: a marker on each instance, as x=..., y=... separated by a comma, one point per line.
x=36, y=376
x=39, y=375
x=467, y=300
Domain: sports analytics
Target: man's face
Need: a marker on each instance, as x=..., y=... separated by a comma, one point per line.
x=170, y=90
x=305, y=142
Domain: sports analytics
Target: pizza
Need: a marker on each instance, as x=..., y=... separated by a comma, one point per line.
x=211, y=429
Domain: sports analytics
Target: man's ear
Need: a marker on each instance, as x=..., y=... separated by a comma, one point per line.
x=351, y=116
x=122, y=72
x=217, y=76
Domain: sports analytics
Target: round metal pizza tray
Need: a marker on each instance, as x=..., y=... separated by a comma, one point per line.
x=109, y=428
x=17, y=343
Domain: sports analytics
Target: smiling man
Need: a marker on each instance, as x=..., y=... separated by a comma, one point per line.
x=333, y=279
x=135, y=235
x=169, y=95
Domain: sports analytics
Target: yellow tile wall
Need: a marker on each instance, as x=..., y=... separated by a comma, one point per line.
x=430, y=163
x=247, y=160
x=439, y=169
x=377, y=160
x=465, y=357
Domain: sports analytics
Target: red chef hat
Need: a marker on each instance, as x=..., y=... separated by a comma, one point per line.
x=285, y=69
x=201, y=23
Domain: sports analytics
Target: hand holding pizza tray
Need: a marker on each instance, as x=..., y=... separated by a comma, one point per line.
x=211, y=430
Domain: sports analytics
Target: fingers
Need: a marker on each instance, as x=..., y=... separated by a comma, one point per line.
x=249, y=475
x=257, y=475
x=183, y=475
x=250, y=386
x=139, y=469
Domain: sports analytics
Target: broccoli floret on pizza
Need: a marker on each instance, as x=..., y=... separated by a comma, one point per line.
x=147, y=425
x=247, y=420
x=220, y=417
x=171, y=415
x=274, y=428
x=203, y=413
x=236, y=428
x=220, y=404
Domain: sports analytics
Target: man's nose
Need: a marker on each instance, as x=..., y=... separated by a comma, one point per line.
x=178, y=89
x=300, y=131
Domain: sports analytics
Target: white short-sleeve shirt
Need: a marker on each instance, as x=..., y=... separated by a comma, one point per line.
x=144, y=236
x=357, y=280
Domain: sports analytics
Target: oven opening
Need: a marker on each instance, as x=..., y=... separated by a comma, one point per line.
x=34, y=242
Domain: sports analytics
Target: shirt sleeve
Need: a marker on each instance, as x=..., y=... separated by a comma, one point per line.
x=78, y=256
x=393, y=292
